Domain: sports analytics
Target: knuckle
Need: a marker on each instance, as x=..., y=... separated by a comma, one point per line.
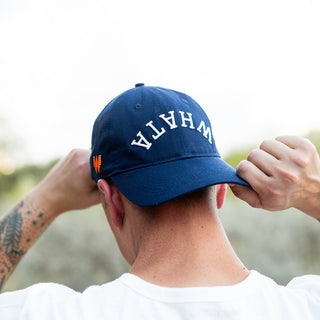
x=287, y=175
x=272, y=197
x=303, y=157
x=74, y=152
x=252, y=156
x=78, y=160
x=79, y=154
x=265, y=144
x=306, y=142
x=301, y=160
x=273, y=192
x=242, y=167
x=306, y=145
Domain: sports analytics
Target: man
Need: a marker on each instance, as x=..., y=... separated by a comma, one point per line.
x=161, y=181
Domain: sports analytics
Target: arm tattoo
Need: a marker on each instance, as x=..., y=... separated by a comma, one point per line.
x=2, y=282
x=12, y=237
x=18, y=231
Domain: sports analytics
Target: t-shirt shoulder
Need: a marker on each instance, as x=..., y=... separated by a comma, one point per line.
x=309, y=284
x=39, y=289
x=193, y=294
x=41, y=299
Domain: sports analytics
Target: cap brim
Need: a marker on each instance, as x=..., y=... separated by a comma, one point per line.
x=154, y=185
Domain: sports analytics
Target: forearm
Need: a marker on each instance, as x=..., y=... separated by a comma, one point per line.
x=19, y=229
x=67, y=186
x=310, y=198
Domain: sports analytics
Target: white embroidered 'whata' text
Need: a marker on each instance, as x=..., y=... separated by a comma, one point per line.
x=170, y=120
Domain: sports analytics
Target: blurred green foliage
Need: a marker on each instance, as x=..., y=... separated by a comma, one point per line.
x=14, y=184
x=236, y=156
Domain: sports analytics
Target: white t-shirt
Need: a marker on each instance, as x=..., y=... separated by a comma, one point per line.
x=129, y=297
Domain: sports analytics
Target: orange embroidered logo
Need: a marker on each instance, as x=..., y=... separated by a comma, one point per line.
x=97, y=163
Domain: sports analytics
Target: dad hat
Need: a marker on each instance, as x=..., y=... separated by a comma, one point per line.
x=156, y=144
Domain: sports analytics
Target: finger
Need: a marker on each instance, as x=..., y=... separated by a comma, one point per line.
x=291, y=141
x=252, y=174
x=276, y=148
x=246, y=194
x=262, y=160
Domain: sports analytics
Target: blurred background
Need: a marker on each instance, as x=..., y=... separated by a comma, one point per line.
x=253, y=66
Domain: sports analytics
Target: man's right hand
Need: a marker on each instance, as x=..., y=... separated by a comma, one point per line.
x=283, y=173
x=68, y=186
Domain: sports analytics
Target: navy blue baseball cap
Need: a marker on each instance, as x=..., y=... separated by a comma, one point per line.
x=156, y=144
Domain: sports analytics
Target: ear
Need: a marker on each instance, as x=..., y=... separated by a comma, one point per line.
x=221, y=194
x=114, y=201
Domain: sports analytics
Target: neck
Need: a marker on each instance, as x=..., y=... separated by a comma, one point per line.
x=187, y=249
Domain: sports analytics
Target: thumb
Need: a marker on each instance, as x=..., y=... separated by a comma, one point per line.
x=246, y=194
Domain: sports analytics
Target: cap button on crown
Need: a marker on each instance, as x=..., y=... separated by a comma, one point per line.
x=139, y=85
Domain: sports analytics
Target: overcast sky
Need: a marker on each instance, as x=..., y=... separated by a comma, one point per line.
x=252, y=65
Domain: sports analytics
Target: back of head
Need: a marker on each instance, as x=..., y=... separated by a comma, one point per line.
x=156, y=145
